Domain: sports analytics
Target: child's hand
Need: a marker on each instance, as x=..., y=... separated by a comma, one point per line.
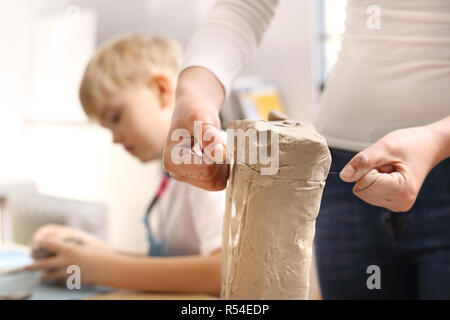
x=94, y=262
x=60, y=232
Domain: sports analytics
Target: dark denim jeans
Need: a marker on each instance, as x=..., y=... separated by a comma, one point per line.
x=412, y=249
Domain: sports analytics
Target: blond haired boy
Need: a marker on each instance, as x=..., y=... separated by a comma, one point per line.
x=128, y=87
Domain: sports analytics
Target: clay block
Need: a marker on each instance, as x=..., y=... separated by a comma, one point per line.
x=269, y=222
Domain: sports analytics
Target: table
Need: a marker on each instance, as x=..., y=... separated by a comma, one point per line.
x=133, y=295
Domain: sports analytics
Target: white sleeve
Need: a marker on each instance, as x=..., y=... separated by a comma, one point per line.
x=207, y=209
x=225, y=40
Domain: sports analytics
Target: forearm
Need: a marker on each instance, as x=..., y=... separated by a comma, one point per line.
x=227, y=37
x=200, y=84
x=441, y=132
x=191, y=274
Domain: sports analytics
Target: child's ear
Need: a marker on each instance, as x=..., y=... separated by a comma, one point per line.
x=163, y=88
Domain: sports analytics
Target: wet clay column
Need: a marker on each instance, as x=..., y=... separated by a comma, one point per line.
x=270, y=218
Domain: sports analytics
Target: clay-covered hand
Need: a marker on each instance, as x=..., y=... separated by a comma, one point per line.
x=94, y=262
x=199, y=96
x=390, y=173
x=61, y=232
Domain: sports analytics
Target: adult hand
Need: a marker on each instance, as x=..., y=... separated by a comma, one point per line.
x=390, y=173
x=199, y=96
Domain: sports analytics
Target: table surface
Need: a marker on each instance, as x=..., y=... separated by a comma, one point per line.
x=133, y=295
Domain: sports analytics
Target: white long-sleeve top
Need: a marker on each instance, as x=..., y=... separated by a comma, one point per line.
x=393, y=77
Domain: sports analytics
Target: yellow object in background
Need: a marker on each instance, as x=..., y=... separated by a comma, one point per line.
x=266, y=102
x=257, y=102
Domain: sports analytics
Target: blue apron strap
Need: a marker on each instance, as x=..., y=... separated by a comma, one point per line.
x=157, y=248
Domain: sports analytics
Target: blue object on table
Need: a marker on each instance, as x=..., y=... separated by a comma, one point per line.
x=12, y=259
x=17, y=283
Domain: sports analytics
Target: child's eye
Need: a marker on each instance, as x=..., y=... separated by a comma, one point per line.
x=116, y=118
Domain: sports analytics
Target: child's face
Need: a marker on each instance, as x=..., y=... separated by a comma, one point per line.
x=139, y=119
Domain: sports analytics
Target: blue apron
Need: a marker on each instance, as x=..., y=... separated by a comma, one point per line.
x=157, y=248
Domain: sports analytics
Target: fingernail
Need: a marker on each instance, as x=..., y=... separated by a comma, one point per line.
x=219, y=153
x=347, y=172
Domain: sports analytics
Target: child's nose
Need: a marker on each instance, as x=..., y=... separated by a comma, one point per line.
x=117, y=138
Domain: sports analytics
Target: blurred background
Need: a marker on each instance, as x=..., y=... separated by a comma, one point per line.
x=49, y=148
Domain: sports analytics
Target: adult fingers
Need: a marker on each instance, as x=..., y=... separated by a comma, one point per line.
x=370, y=158
x=216, y=183
x=199, y=159
x=388, y=190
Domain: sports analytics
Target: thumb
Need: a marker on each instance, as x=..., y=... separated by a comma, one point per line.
x=370, y=158
x=210, y=141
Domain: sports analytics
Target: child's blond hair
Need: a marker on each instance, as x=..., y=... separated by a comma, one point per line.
x=125, y=61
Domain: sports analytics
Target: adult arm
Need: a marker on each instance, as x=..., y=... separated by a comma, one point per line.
x=216, y=53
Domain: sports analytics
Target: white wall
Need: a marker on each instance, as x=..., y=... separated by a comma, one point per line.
x=286, y=55
x=176, y=18
x=14, y=51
